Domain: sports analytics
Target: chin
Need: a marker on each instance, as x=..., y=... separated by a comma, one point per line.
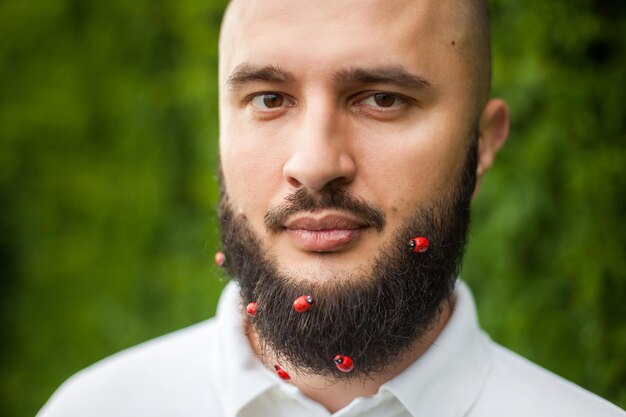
x=318, y=266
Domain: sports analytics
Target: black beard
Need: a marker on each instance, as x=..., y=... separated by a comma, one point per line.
x=373, y=319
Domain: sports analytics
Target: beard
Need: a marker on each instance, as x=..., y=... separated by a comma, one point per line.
x=373, y=315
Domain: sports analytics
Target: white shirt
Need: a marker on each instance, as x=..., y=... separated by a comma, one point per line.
x=210, y=370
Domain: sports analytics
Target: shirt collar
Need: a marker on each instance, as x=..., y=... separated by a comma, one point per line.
x=446, y=380
x=241, y=376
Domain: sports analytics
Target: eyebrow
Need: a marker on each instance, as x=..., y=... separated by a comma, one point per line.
x=246, y=73
x=395, y=75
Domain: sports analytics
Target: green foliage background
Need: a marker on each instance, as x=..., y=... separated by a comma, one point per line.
x=108, y=135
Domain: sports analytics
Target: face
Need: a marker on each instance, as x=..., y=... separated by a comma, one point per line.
x=347, y=129
x=370, y=98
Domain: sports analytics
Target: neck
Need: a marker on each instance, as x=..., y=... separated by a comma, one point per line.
x=335, y=395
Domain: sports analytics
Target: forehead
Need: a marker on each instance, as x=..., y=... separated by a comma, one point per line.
x=329, y=34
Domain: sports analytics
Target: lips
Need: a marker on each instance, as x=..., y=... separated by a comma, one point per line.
x=327, y=233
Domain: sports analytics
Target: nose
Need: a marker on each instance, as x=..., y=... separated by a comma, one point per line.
x=321, y=153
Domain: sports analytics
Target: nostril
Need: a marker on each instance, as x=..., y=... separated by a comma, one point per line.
x=340, y=181
x=294, y=182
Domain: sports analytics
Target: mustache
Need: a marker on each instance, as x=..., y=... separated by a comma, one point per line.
x=339, y=199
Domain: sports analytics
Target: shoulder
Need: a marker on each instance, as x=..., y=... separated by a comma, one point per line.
x=522, y=388
x=174, y=369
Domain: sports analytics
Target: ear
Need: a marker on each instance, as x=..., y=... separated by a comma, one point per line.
x=493, y=128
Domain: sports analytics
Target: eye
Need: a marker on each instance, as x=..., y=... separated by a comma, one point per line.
x=383, y=100
x=381, y=104
x=268, y=101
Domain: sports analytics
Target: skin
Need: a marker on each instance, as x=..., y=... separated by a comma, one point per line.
x=325, y=127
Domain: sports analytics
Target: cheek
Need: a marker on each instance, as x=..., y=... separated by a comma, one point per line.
x=251, y=170
x=412, y=165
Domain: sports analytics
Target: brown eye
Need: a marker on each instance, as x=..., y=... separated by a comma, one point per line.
x=271, y=101
x=384, y=99
x=268, y=105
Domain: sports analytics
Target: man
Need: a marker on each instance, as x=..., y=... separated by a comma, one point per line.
x=353, y=137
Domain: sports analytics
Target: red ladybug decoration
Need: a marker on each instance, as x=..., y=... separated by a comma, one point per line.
x=251, y=309
x=303, y=303
x=418, y=244
x=344, y=363
x=282, y=374
x=220, y=258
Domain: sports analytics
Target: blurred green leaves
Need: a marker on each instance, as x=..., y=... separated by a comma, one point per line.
x=108, y=152
x=108, y=122
x=547, y=255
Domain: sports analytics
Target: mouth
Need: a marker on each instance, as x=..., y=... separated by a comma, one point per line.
x=324, y=233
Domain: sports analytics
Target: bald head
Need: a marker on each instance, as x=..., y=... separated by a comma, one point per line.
x=462, y=26
x=478, y=51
